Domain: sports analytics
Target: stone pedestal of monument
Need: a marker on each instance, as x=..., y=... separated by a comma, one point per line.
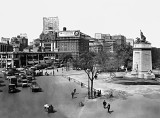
x=142, y=60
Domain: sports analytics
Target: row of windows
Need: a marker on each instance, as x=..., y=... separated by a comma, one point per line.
x=6, y=56
x=47, y=44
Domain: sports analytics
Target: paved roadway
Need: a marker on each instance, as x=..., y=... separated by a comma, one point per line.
x=56, y=91
x=26, y=104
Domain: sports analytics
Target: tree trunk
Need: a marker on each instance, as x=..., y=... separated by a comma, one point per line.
x=89, y=90
x=92, y=89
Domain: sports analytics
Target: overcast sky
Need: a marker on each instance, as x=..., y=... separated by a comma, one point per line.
x=126, y=17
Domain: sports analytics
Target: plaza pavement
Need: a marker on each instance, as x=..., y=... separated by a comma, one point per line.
x=104, y=83
x=130, y=101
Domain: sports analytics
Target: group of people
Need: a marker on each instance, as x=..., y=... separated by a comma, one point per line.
x=97, y=93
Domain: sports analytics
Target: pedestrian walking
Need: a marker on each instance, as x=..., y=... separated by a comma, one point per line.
x=57, y=69
x=108, y=108
x=53, y=72
x=100, y=93
x=74, y=91
x=95, y=93
x=81, y=84
x=72, y=94
x=95, y=76
x=104, y=104
x=69, y=78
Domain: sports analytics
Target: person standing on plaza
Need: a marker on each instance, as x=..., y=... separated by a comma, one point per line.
x=104, y=104
x=108, y=108
x=72, y=94
x=74, y=91
x=81, y=84
x=53, y=71
x=100, y=93
x=57, y=69
x=95, y=93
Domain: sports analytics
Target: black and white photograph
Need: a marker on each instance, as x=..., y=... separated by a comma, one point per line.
x=79, y=59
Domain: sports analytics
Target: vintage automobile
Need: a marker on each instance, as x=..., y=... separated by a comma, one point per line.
x=25, y=83
x=35, y=87
x=12, y=88
x=29, y=78
x=13, y=80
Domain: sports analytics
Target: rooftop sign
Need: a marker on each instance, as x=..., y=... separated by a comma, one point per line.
x=75, y=33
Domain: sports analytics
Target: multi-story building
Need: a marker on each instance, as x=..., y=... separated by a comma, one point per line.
x=20, y=59
x=20, y=42
x=50, y=24
x=130, y=41
x=66, y=41
x=48, y=42
x=120, y=39
x=95, y=45
x=109, y=41
x=72, y=41
x=5, y=47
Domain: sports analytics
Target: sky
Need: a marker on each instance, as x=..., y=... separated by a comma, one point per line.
x=125, y=17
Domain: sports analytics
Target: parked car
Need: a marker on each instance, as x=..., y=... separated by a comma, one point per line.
x=35, y=87
x=50, y=67
x=25, y=83
x=29, y=78
x=12, y=88
x=22, y=76
x=13, y=80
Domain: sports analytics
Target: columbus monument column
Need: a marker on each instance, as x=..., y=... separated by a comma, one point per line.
x=142, y=58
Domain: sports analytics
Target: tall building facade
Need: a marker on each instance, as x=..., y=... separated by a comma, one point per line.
x=5, y=47
x=109, y=41
x=20, y=42
x=50, y=24
x=72, y=41
x=66, y=41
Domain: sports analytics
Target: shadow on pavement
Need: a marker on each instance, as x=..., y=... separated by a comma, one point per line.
x=138, y=83
x=110, y=111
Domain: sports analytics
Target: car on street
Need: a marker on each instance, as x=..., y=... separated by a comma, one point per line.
x=50, y=67
x=35, y=87
x=12, y=88
x=25, y=83
x=13, y=80
x=29, y=78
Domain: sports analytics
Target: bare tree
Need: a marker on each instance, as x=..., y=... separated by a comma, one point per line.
x=87, y=62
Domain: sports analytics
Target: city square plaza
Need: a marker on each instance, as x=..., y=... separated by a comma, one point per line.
x=136, y=101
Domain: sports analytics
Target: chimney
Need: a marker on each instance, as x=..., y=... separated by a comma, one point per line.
x=64, y=28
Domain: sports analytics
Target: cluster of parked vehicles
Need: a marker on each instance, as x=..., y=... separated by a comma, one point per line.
x=20, y=78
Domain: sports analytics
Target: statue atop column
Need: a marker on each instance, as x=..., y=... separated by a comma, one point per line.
x=142, y=39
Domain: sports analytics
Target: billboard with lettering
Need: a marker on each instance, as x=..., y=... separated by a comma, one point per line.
x=75, y=33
